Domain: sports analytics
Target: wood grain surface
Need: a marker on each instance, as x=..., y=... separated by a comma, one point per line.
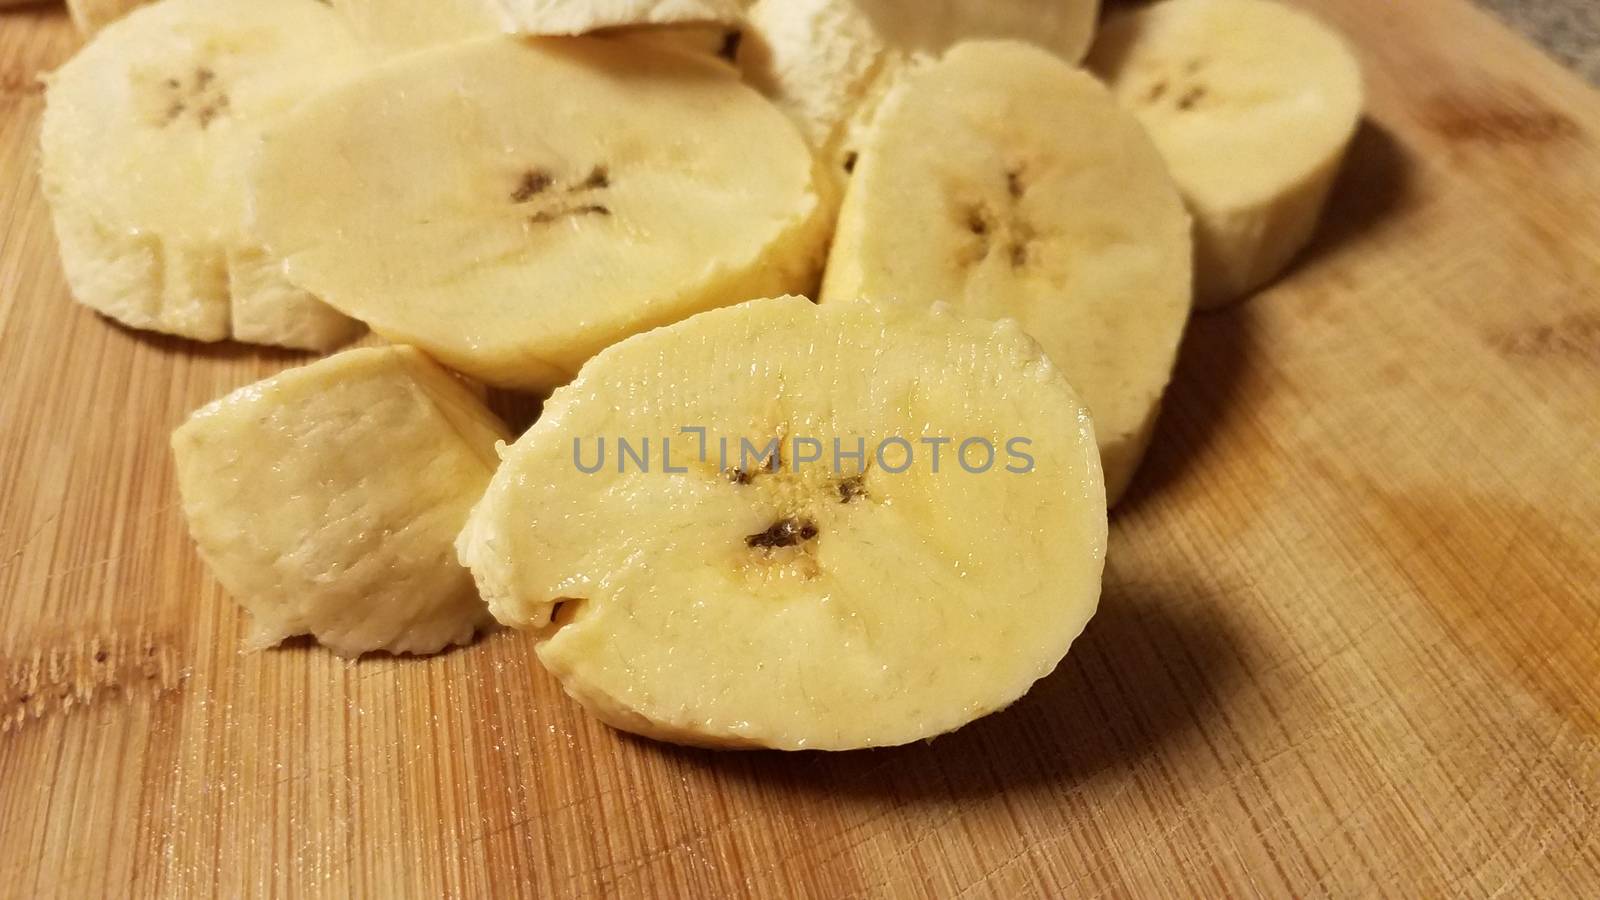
x=1348, y=645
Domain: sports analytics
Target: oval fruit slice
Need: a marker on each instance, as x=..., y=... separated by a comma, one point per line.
x=143, y=148
x=326, y=499
x=514, y=207
x=1252, y=104
x=1041, y=201
x=751, y=583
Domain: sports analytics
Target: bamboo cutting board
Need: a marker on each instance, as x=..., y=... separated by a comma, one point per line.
x=1348, y=644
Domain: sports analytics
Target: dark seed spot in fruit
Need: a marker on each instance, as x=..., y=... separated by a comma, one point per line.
x=1194, y=96
x=850, y=161
x=547, y=216
x=1019, y=255
x=206, y=114
x=730, y=45
x=203, y=76
x=101, y=656
x=24, y=698
x=976, y=223
x=783, y=533
x=174, y=111
x=534, y=182
x=1014, y=184
x=1157, y=91
x=738, y=476
x=851, y=488
x=599, y=177
x=172, y=84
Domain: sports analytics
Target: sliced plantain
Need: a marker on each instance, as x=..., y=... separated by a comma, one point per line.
x=828, y=63
x=514, y=207
x=326, y=499
x=1253, y=105
x=1041, y=201
x=143, y=148
x=774, y=590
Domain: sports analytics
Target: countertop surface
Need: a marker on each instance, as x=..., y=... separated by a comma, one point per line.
x=1569, y=29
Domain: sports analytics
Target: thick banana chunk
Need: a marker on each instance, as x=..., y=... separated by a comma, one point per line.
x=326, y=499
x=1253, y=105
x=856, y=527
x=144, y=141
x=1040, y=200
x=404, y=24
x=828, y=63
x=143, y=151
x=516, y=206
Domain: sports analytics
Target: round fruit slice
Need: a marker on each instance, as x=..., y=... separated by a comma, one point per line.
x=326, y=499
x=822, y=528
x=1252, y=104
x=1041, y=201
x=828, y=62
x=514, y=207
x=143, y=148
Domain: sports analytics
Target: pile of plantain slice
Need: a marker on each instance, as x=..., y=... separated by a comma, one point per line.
x=851, y=317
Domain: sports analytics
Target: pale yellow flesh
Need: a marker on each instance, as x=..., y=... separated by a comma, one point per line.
x=326, y=500
x=926, y=601
x=828, y=63
x=1252, y=104
x=143, y=148
x=409, y=24
x=514, y=207
x=1039, y=200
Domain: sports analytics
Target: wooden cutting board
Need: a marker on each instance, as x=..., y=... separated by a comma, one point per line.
x=1348, y=645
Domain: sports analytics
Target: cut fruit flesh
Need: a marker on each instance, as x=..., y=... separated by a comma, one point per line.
x=1253, y=105
x=326, y=500
x=514, y=207
x=828, y=63
x=409, y=24
x=143, y=147
x=826, y=604
x=1041, y=201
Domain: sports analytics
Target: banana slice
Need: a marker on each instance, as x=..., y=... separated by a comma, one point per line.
x=143, y=149
x=860, y=527
x=514, y=207
x=408, y=24
x=1041, y=201
x=92, y=15
x=326, y=499
x=828, y=63
x=1253, y=105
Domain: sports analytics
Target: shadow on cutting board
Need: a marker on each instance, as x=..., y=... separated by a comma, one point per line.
x=1216, y=373
x=1374, y=186
x=1152, y=667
